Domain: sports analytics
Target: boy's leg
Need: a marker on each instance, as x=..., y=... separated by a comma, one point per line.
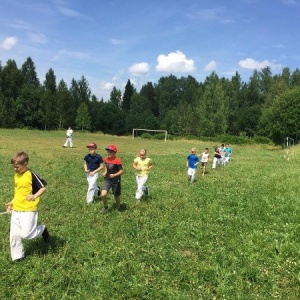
x=117, y=193
x=118, y=202
x=92, y=187
x=141, y=181
x=16, y=245
x=23, y=226
x=193, y=175
x=104, y=191
x=189, y=173
x=214, y=162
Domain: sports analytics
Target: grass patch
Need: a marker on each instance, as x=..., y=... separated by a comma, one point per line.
x=234, y=234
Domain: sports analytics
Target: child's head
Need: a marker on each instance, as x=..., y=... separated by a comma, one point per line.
x=92, y=148
x=20, y=161
x=206, y=150
x=143, y=153
x=193, y=150
x=111, y=151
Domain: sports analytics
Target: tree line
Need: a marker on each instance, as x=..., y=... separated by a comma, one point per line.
x=267, y=105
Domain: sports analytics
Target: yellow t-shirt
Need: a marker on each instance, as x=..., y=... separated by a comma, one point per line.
x=144, y=164
x=26, y=183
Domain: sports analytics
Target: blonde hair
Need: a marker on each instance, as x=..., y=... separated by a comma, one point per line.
x=20, y=157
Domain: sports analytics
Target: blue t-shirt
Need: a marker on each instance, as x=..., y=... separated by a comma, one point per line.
x=93, y=162
x=227, y=151
x=192, y=160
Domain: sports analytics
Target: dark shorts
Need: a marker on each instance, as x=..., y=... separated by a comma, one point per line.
x=204, y=164
x=115, y=187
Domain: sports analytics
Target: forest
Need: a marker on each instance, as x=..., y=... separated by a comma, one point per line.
x=267, y=105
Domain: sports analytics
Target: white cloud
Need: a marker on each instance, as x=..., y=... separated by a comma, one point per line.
x=250, y=63
x=64, y=52
x=108, y=86
x=289, y=2
x=37, y=38
x=139, y=69
x=211, y=66
x=19, y=24
x=116, y=41
x=68, y=12
x=174, y=62
x=8, y=43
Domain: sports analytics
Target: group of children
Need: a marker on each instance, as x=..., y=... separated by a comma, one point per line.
x=29, y=186
x=221, y=157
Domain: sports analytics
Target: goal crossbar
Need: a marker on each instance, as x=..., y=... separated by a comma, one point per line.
x=153, y=130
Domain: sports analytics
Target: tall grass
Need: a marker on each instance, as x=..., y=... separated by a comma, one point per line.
x=234, y=234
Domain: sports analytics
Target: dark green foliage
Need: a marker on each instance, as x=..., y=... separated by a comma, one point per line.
x=146, y=136
x=182, y=106
x=262, y=140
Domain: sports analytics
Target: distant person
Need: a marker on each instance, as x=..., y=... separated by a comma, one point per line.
x=142, y=165
x=112, y=177
x=222, y=153
x=204, y=160
x=217, y=158
x=191, y=163
x=29, y=186
x=228, y=151
x=69, y=139
x=93, y=163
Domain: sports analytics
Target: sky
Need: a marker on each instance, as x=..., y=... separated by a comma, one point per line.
x=111, y=41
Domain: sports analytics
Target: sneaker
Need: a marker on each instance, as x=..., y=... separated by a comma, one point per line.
x=104, y=210
x=146, y=191
x=99, y=191
x=46, y=235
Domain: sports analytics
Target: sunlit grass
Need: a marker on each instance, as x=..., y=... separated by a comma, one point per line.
x=234, y=234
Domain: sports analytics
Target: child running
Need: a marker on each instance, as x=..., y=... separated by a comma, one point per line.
x=112, y=177
x=204, y=160
x=191, y=163
x=93, y=163
x=142, y=164
x=29, y=187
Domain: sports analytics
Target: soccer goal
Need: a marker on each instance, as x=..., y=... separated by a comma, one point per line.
x=289, y=144
x=135, y=130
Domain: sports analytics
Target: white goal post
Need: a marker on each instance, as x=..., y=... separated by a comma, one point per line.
x=153, y=130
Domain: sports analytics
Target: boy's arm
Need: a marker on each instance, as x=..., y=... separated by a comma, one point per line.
x=9, y=208
x=101, y=166
x=135, y=166
x=85, y=167
x=37, y=194
x=150, y=166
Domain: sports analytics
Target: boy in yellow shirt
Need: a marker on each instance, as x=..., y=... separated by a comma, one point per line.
x=29, y=186
x=142, y=164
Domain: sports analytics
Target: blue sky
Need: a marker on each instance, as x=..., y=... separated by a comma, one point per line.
x=111, y=41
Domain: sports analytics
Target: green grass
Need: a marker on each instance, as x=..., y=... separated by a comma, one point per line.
x=233, y=235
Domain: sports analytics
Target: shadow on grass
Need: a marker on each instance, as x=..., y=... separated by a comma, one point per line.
x=39, y=247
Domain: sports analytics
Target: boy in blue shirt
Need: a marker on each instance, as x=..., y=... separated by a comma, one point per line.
x=93, y=163
x=191, y=163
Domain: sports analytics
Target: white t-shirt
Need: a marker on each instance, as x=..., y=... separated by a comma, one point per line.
x=204, y=157
x=69, y=132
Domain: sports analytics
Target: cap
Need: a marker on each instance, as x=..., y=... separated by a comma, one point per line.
x=111, y=148
x=92, y=145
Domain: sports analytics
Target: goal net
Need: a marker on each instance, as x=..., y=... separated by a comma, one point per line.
x=289, y=149
x=135, y=130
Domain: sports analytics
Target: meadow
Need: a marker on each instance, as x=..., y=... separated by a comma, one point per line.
x=234, y=234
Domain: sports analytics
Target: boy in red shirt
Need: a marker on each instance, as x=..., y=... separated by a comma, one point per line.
x=112, y=177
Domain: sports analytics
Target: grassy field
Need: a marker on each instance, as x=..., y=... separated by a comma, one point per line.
x=234, y=234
